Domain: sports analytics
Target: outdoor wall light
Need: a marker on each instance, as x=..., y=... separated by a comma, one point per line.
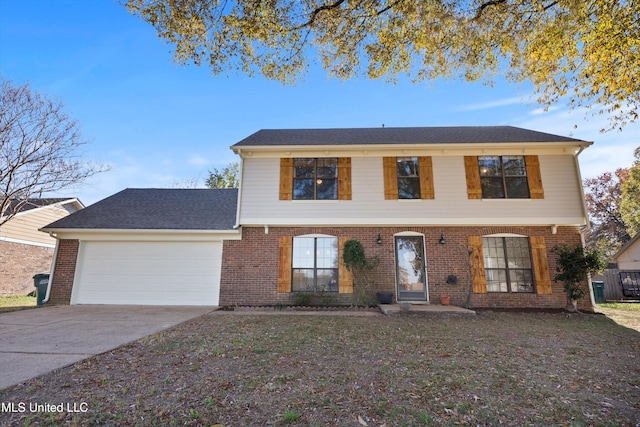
x=379, y=239
x=441, y=241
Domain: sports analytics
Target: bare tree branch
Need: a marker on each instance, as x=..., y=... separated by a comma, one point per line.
x=38, y=149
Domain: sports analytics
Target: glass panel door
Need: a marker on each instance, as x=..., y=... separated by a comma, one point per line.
x=411, y=279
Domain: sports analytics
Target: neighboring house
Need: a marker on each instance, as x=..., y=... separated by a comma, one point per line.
x=628, y=257
x=25, y=251
x=470, y=212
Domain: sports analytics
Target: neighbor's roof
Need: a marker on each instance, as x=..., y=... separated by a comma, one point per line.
x=408, y=135
x=626, y=246
x=157, y=209
x=35, y=203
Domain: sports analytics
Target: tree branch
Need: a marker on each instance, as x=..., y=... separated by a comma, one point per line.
x=316, y=11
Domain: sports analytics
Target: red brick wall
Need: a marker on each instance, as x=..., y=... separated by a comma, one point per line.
x=62, y=281
x=249, y=266
x=19, y=263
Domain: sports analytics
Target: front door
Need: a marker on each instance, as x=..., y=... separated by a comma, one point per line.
x=411, y=279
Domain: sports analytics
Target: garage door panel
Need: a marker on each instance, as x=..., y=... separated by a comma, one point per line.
x=148, y=273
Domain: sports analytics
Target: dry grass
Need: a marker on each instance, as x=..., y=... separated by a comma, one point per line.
x=19, y=302
x=511, y=369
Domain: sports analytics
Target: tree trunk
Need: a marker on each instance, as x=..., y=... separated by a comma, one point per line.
x=572, y=305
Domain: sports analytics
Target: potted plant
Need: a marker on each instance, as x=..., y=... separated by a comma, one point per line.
x=573, y=265
x=452, y=279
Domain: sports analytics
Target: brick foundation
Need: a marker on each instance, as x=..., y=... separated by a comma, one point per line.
x=19, y=263
x=249, y=266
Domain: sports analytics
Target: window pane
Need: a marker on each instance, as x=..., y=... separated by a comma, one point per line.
x=327, y=189
x=407, y=166
x=521, y=280
x=327, y=252
x=302, y=280
x=303, y=252
x=493, y=250
x=492, y=187
x=327, y=280
x=518, y=252
x=514, y=166
x=517, y=188
x=489, y=166
x=327, y=168
x=496, y=281
x=303, y=189
x=304, y=168
x=408, y=188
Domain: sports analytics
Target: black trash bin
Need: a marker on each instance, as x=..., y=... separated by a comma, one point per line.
x=41, y=281
x=598, y=291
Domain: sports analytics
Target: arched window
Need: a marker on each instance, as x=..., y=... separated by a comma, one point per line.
x=315, y=264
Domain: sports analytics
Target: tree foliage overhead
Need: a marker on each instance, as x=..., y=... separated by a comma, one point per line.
x=630, y=203
x=587, y=51
x=39, y=146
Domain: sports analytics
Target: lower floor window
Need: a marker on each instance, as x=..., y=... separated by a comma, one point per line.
x=315, y=264
x=507, y=264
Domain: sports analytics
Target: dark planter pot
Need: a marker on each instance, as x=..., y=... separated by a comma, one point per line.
x=385, y=297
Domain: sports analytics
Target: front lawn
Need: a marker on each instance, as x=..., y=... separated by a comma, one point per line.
x=511, y=369
x=19, y=302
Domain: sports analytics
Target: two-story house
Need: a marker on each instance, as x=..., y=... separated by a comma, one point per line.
x=471, y=212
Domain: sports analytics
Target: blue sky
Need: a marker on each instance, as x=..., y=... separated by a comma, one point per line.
x=156, y=123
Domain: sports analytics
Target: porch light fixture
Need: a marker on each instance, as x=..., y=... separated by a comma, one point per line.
x=441, y=241
x=379, y=239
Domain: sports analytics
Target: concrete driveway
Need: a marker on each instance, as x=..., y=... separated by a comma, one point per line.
x=34, y=342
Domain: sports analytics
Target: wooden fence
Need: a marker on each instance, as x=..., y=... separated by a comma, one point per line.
x=612, y=285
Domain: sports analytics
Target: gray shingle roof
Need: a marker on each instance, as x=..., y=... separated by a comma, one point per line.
x=35, y=203
x=408, y=135
x=157, y=209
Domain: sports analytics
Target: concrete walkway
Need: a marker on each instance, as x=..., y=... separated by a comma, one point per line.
x=425, y=309
x=37, y=341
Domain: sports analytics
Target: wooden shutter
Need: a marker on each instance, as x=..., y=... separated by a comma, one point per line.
x=390, y=178
x=426, y=177
x=474, y=190
x=476, y=264
x=345, y=279
x=286, y=179
x=533, y=176
x=344, y=178
x=285, y=250
x=540, y=265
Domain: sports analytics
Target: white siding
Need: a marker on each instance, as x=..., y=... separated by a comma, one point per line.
x=562, y=204
x=148, y=273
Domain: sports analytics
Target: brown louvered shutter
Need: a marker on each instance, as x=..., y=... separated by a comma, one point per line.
x=344, y=178
x=540, y=265
x=474, y=190
x=426, y=177
x=345, y=279
x=390, y=178
x=285, y=250
x=286, y=179
x=476, y=263
x=534, y=177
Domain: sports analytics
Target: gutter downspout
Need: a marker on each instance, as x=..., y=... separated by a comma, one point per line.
x=588, y=225
x=237, y=224
x=53, y=268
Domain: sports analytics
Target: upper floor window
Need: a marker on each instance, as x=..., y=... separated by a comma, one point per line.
x=315, y=179
x=507, y=264
x=503, y=177
x=408, y=177
x=315, y=264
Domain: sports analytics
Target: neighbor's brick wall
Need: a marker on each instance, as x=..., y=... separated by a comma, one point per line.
x=62, y=281
x=249, y=266
x=19, y=263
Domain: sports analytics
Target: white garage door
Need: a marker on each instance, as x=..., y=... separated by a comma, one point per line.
x=148, y=273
